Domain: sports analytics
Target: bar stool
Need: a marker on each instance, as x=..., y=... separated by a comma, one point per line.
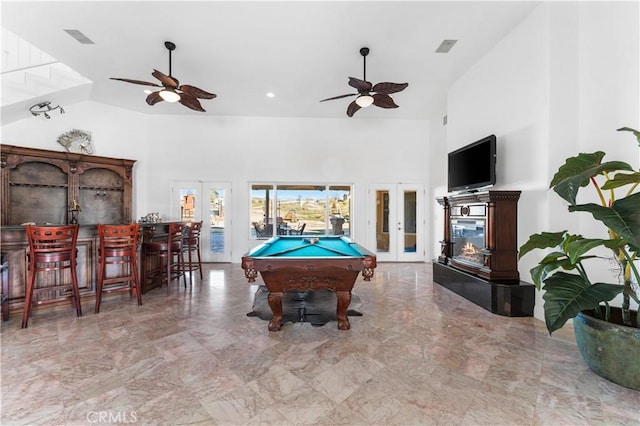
x=168, y=249
x=51, y=248
x=118, y=246
x=191, y=243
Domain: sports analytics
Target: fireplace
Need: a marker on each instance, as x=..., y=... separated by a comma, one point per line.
x=468, y=225
x=480, y=234
x=479, y=258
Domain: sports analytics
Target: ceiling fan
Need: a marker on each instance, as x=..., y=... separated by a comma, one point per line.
x=172, y=91
x=368, y=94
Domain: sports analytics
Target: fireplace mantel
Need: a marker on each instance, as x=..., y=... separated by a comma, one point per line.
x=498, y=212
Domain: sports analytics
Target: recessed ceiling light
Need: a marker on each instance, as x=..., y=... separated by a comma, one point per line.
x=445, y=46
x=271, y=95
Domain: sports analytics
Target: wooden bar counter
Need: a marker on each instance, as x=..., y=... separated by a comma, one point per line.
x=150, y=265
x=15, y=248
x=44, y=186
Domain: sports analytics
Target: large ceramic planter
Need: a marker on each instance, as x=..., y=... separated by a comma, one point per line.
x=609, y=349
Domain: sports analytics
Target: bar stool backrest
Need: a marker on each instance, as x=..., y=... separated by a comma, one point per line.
x=176, y=235
x=52, y=243
x=118, y=237
x=194, y=234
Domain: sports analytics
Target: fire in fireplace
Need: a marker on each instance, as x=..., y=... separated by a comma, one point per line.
x=468, y=240
x=471, y=253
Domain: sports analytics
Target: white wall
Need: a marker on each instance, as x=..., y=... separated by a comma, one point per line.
x=560, y=83
x=437, y=179
x=241, y=150
x=114, y=132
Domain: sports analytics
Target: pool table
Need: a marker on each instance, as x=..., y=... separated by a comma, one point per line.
x=307, y=263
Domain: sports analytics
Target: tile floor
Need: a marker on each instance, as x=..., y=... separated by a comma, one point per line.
x=419, y=355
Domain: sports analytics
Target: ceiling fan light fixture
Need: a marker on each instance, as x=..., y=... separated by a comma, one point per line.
x=364, y=101
x=169, y=95
x=170, y=89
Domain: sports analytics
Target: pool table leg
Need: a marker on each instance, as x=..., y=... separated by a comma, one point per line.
x=344, y=298
x=275, y=303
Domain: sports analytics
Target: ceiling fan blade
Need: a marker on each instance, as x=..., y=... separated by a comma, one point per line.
x=352, y=108
x=191, y=101
x=144, y=83
x=165, y=79
x=339, y=97
x=383, y=101
x=387, y=88
x=197, y=92
x=361, y=85
x=154, y=98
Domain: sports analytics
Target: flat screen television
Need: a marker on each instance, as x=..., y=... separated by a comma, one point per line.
x=473, y=166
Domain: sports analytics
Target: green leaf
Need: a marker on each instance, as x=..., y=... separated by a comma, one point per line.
x=577, y=171
x=574, y=174
x=622, y=179
x=547, y=266
x=577, y=248
x=541, y=241
x=623, y=218
x=634, y=131
x=568, y=294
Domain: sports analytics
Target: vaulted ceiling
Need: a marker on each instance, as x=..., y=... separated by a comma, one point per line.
x=301, y=51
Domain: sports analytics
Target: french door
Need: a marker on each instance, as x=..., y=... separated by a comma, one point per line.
x=209, y=202
x=396, y=222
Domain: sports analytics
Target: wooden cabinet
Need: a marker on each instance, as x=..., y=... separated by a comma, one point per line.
x=480, y=234
x=39, y=186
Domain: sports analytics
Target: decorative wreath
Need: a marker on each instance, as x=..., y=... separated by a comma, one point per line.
x=77, y=141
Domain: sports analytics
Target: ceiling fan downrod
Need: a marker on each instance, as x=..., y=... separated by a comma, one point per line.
x=171, y=47
x=364, y=52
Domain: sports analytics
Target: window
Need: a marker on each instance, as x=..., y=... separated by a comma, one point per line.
x=291, y=209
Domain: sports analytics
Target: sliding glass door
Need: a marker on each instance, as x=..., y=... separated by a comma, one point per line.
x=299, y=209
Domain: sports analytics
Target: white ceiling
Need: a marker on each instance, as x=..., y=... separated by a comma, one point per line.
x=300, y=50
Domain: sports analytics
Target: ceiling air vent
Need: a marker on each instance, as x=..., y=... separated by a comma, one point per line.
x=82, y=39
x=445, y=46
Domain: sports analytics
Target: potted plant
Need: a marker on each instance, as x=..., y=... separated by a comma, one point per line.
x=563, y=275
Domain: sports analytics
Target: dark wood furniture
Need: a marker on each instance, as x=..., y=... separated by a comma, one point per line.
x=479, y=253
x=150, y=232
x=299, y=264
x=4, y=274
x=39, y=186
x=191, y=244
x=118, y=264
x=497, y=211
x=170, y=254
x=52, y=249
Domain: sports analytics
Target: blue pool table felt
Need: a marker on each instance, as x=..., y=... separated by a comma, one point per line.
x=325, y=246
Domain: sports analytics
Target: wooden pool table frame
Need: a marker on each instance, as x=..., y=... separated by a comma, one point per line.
x=299, y=274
